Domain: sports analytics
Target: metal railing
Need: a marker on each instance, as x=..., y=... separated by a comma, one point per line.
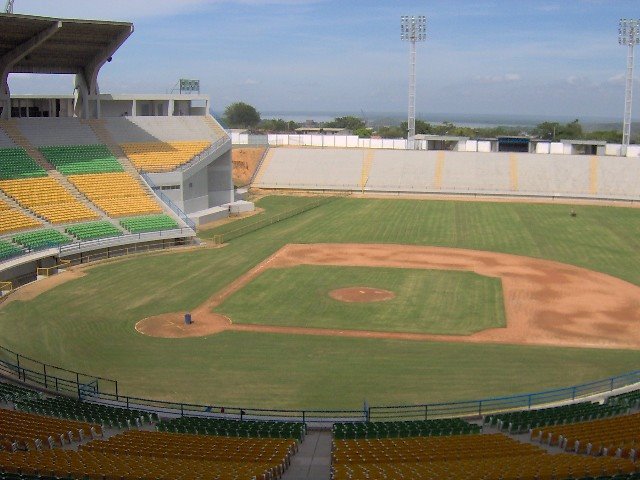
x=124, y=239
x=103, y=390
x=35, y=373
x=210, y=150
x=48, y=271
x=221, y=238
x=174, y=208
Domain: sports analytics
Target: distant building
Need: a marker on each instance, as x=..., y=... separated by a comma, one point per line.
x=322, y=131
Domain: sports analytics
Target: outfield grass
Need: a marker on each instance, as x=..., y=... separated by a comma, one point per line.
x=426, y=301
x=87, y=323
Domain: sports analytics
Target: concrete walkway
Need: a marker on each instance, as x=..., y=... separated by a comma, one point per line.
x=313, y=460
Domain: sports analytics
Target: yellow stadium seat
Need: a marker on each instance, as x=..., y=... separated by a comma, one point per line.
x=162, y=156
x=117, y=194
x=48, y=199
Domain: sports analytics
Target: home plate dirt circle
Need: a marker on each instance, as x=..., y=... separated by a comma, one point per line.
x=171, y=325
x=361, y=295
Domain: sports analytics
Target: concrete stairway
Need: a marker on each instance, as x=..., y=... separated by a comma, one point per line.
x=105, y=137
x=16, y=136
x=215, y=126
x=263, y=167
x=81, y=197
x=313, y=460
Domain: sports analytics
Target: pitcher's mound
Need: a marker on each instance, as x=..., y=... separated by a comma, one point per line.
x=361, y=294
x=171, y=325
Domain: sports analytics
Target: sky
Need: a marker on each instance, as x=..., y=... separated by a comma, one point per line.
x=508, y=57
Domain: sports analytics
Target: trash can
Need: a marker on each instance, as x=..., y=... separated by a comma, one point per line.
x=187, y=319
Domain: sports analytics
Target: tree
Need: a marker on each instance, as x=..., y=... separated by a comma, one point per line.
x=363, y=133
x=348, y=122
x=391, y=132
x=277, y=125
x=556, y=131
x=241, y=115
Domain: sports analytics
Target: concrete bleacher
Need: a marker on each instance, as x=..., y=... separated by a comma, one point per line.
x=44, y=132
x=580, y=176
x=313, y=169
x=554, y=174
x=475, y=172
x=5, y=141
x=409, y=172
x=160, y=129
x=619, y=178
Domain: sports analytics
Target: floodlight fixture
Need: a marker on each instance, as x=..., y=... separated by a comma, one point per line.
x=413, y=29
x=629, y=36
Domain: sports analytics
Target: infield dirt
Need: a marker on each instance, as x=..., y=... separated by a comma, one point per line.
x=546, y=302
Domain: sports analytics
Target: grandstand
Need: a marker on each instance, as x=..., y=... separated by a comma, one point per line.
x=65, y=180
x=446, y=172
x=93, y=176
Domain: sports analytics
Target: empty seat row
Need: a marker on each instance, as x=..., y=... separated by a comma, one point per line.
x=47, y=198
x=234, y=428
x=81, y=159
x=11, y=392
x=520, y=422
x=468, y=456
x=93, y=230
x=618, y=433
x=149, y=223
x=26, y=431
x=162, y=156
x=117, y=194
x=106, y=415
x=420, y=428
x=16, y=163
x=12, y=220
x=8, y=250
x=38, y=239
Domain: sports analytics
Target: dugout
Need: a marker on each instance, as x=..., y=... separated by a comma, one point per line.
x=441, y=142
x=514, y=144
x=584, y=147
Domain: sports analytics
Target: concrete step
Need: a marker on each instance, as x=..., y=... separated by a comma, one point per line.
x=313, y=460
x=16, y=136
x=77, y=194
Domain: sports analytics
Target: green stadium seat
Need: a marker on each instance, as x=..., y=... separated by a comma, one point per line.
x=16, y=163
x=8, y=250
x=81, y=159
x=149, y=223
x=41, y=239
x=93, y=230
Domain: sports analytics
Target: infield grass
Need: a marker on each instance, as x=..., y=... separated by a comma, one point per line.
x=426, y=301
x=88, y=324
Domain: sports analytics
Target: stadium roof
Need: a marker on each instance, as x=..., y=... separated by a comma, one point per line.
x=30, y=44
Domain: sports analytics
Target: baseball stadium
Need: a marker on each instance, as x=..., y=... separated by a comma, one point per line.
x=362, y=309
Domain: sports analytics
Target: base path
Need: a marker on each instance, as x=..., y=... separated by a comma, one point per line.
x=546, y=302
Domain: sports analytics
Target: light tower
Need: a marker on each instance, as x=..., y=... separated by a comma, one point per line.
x=629, y=35
x=413, y=29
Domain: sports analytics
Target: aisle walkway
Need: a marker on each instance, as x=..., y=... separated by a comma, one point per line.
x=313, y=461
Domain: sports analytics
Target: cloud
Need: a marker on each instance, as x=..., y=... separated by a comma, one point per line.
x=619, y=79
x=549, y=8
x=506, y=78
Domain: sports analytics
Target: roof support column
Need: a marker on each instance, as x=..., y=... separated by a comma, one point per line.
x=87, y=78
x=9, y=59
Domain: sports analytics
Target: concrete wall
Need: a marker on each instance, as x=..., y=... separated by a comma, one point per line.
x=220, y=183
x=523, y=174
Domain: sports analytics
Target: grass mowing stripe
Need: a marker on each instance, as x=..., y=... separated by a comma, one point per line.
x=88, y=323
x=426, y=301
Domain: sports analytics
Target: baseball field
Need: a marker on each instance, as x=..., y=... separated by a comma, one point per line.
x=390, y=300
